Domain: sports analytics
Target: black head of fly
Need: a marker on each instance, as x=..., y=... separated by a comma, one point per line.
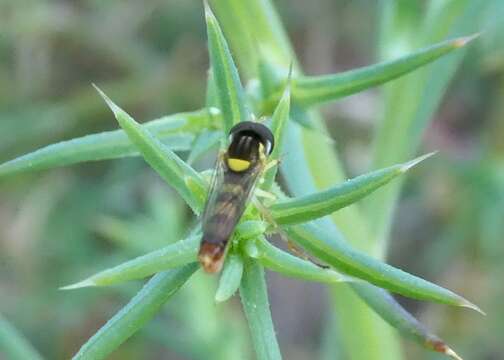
x=249, y=142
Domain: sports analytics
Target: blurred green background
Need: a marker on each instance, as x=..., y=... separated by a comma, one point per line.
x=61, y=225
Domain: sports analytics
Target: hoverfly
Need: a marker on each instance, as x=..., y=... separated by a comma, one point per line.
x=236, y=173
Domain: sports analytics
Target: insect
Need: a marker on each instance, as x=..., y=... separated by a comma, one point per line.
x=236, y=174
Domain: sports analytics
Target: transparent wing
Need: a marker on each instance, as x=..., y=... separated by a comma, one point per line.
x=227, y=198
x=215, y=184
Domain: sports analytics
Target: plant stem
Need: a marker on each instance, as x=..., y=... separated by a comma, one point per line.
x=254, y=295
x=14, y=345
x=247, y=22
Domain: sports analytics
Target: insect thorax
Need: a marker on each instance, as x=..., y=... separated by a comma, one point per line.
x=243, y=151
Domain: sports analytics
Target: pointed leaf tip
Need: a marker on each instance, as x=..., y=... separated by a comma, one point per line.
x=441, y=347
x=463, y=41
x=416, y=161
x=313, y=90
x=80, y=284
x=449, y=352
x=328, y=247
x=467, y=304
x=115, y=109
x=208, y=10
x=166, y=163
x=134, y=315
x=228, y=88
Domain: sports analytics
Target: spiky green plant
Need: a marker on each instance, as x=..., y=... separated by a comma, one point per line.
x=13, y=344
x=287, y=100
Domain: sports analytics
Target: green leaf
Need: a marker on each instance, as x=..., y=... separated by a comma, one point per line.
x=314, y=206
x=330, y=248
x=135, y=314
x=278, y=123
x=211, y=99
x=188, y=183
x=249, y=229
x=249, y=23
x=169, y=257
x=205, y=142
x=314, y=90
x=331, y=346
x=282, y=262
x=410, y=103
x=231, y=277
x=227, y=81
x=391, y=311
x=270, y=76
x=175, y=131
x=399, y=27
x=14, y=345
x=254, y=296
x=265, y=27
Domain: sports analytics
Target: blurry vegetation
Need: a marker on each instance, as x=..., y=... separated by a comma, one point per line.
x=63, y=224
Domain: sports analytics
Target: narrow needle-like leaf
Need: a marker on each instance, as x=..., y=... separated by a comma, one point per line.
x=254, y=296
x=135, y=314
x=250, y=229
x=318, y=89
x=188, y=183
x=175, y=131
x=313, y=206
x=205, y=142
x=270, y=75
x=391, y=311
x=14, y=345
x=333, y=250
x=169, y=257
x=227, y=81
x=280, y=261
x=278, y=123
x=211, y=99
x=230, y=279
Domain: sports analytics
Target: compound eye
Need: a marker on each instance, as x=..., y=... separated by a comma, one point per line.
x=268, y=148
x=258, y=130
x=267, y=139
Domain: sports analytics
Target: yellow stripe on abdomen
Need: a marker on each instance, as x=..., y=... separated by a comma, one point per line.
x=238, y=165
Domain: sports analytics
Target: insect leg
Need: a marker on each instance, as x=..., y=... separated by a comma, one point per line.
x=271, y=164
x=264, y=194
x=295, y=249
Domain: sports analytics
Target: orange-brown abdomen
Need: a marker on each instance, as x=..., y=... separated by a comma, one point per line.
x=211, y=256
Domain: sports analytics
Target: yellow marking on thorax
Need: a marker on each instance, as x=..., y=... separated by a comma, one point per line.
x=238, y=165
x=262, y=155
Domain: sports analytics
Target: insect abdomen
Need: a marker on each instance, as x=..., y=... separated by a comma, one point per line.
x=211, y=253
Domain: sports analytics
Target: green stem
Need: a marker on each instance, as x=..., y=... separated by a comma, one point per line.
x=410, y=103
x=253, y=22
x=14, y=345
x=142, y=308
x=254, y=295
